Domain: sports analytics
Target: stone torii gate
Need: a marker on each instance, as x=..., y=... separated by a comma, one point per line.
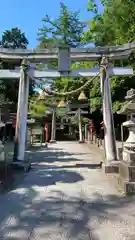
x=65, y=56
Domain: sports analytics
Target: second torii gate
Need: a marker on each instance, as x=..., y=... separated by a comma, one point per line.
x=64, y=55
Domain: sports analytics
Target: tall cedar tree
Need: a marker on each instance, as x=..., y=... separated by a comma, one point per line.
x=67, y=29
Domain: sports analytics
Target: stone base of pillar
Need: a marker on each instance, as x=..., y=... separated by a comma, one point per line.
x=126, y=186
x=21, y=165
x=127, y=171
x=81, y=141
x=113, y=167
x=52, y=141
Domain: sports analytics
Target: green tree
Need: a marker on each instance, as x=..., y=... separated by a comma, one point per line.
x=67, y=29
x=37, y=108
x=14, y=38
x=115, y=25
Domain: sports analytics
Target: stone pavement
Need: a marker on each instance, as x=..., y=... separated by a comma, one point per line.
x=66, y=197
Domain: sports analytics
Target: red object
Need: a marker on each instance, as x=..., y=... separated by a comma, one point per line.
x=91, y=127
x=46, y=132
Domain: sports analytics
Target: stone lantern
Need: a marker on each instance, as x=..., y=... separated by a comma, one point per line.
x=127, y=166
x=129, y=110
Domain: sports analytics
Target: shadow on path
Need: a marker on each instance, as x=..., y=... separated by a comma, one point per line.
x=74, y=217
x=42, y=176
x=37, y=210
x=44, y=173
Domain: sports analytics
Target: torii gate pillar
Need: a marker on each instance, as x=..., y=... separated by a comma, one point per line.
x=110, y=142
x=21, y=119
x=53, y=131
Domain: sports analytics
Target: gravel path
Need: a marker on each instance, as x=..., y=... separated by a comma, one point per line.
x=66, y=197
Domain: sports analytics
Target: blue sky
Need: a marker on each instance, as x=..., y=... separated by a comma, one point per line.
x=27, y=14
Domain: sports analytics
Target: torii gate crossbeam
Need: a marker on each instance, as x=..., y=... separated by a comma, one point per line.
x=50, y=73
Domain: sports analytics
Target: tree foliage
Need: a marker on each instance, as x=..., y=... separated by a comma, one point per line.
x=115, y=25
x=67, y=29
x=36, y=108
x=13, y=39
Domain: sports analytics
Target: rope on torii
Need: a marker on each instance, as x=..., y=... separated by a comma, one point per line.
x=51, y=92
